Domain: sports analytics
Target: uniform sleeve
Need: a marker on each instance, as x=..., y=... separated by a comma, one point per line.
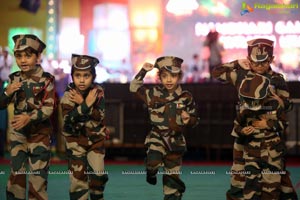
x=137, y=85
x=73, y=113
x=226, y=72
x=46, y=107
x=97, y=112
x=282, y=91
x=237, y=128
x=4, y=99
x=192, y=110
x=280, y=123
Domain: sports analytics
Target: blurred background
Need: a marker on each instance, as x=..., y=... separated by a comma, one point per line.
x=124, y=34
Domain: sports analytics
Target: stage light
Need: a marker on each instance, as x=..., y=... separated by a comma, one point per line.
x=179, y=7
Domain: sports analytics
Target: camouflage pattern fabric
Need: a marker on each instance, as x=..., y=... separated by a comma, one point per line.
x=233, y=73
x=260, y=49
x=28, y=40
x=165, y=143
x=85, y=135
x=263, y=150
x=36, y=98
x=170, y=63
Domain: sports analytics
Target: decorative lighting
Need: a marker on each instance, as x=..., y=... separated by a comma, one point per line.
x=179, y=7
x=51, y=28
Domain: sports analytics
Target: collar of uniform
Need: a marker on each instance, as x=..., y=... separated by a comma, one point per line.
x=176, y=93
x=38, y=73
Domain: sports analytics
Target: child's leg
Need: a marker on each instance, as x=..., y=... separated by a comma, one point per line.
x=78, y=166
x=287, y=189
x=173, y=186
x=237, y=181
x=153, y=162
x=97, y=175
x=272, y=168
x=252, y=156
x=155, y=152
x=39, y=158
x=16, y=186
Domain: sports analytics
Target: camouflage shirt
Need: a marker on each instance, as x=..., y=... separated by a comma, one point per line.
x=81, y=119
x=234, y=74
x=165, y=108
x=36, y=97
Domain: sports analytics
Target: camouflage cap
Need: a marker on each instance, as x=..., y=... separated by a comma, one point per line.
x=254, y=87
x=253, y=91
x=83, y=61
x=28, y=40
x=260, y=49
x=170, y=63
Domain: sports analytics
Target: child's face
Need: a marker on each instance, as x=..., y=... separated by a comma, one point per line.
x=169, y=80
x=260, y=67
x=26, y=61
x=82, y=79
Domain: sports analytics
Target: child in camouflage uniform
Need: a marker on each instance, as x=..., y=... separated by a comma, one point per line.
x=170, y=110
x=260, y=56
x=83, y=114
x=32, y=91
x=263, y=148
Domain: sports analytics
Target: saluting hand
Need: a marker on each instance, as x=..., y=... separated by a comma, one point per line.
x=75, y=97
x=244, y=63
x=148, y=66
x=13, y=87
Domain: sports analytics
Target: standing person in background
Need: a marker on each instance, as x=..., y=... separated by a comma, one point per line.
x=32, y=91
x=83, y=110
x=195, y=70
x=6, y=62
x=214, y=49
x=171, y=109
x=260, y=55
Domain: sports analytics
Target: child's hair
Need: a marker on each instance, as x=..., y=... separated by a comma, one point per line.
x=28, y=50
x=91, y=69
x=180, y=74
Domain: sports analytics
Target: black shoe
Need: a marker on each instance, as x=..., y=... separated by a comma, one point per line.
x=151, y=179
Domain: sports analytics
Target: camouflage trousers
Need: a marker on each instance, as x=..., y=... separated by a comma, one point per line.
x=237, y=182
x=263, y=167
x=34, y=150
x=158, y=156
x=86, y=166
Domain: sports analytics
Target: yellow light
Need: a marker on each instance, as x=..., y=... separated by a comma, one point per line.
x=51, y=3
x=51, y=11
x=152, y=35
x=140, y=35
x=51, y=20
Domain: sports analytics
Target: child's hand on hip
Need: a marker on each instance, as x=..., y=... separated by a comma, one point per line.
x=20, y=121
x=185, y=116
x=248, y=130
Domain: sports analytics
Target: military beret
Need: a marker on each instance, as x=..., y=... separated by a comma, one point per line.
x=28, y=40
x=83, y=61
x=260, y=49
x=170, y=63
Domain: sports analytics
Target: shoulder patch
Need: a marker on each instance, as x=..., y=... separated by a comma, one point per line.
x=14, y=74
